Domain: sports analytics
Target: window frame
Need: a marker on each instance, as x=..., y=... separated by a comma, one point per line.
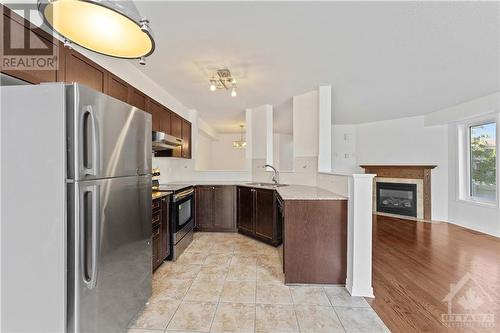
x=468, y=188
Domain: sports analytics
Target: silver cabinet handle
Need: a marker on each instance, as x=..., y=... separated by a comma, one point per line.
x=89, y=167
x=89, y=278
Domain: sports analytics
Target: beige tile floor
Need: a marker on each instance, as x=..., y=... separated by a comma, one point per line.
x=226, y=282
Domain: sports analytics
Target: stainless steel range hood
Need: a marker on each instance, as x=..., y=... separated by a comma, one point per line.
x=163, y=141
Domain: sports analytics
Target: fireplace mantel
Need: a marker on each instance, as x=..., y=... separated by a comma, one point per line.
x=407, y=171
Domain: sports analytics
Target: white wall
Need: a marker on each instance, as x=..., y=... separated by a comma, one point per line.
x=305, y=124
x=224, y=156
x=283, y=151
x=398, y=141
x=203, y=151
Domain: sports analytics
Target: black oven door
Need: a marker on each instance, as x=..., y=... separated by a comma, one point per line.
x=182, y=214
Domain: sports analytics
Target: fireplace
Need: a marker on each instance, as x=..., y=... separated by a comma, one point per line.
x=397, y=198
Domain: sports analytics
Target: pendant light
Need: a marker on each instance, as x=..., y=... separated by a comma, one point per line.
x=109, y=27
x=241, y=143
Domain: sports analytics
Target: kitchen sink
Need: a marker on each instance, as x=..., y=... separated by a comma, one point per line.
x=267, y=184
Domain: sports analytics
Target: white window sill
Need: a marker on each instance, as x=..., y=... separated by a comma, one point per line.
x=491, y=205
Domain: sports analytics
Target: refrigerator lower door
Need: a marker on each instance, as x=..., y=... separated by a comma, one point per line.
x=109, y=255
x=106, y=137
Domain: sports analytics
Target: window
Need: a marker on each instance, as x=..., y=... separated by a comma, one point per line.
x=482, y=162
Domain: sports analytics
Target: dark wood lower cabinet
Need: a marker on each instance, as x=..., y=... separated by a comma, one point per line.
x=165, y=224
x=156, y=244
x=160, y=240
x=215, y=208
x=204, y=201
x=245, y=210
x=256, y=209
x=315, y=241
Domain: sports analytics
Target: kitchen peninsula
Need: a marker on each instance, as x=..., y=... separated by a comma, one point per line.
x=310, y=222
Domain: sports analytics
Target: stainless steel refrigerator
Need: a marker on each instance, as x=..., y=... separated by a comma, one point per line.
x=75, y=210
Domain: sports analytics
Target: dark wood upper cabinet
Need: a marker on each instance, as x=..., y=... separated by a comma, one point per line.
x=84, y=71
x=165, y=116
x=27, y=40
x=117, y=88
x=176, y=130
x=186, y=138
x=176, y=125
x=264, y=214
x=245, y=210
x=137, y=99
x=224, y=207
x=156, y=110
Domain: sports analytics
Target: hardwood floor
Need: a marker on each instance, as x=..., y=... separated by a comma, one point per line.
x=414, y=264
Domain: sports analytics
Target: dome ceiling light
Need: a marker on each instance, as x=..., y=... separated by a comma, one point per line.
x=222, y=79
x=112, y=28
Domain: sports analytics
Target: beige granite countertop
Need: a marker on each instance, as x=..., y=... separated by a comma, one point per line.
x=288, y=192
x=302, y=192
x=157, y=195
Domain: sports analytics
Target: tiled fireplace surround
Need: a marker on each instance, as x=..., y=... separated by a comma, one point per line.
x=408, y=174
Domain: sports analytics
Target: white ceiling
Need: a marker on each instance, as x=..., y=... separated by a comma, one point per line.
x=384, y=60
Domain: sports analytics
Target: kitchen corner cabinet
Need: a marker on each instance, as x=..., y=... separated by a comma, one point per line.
x=215, y=208
x=256, y=214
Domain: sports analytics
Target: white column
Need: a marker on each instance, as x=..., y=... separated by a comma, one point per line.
x=325, y=129
x=359, y=235
x=269, y=135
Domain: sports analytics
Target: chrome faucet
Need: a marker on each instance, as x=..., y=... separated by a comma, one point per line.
x=276, y=174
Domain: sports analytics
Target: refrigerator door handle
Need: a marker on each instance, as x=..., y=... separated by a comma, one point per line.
x=89, y=166
x=90, y=235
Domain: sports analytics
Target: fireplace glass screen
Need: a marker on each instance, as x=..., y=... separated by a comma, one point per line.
x=397, y=198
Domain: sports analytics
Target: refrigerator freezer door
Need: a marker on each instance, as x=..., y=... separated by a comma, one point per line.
x=109, y=255
x=106, y=137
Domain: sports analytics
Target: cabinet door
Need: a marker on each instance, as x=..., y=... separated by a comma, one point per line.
x=245, y=209
x=117, y=88
x=224, y=217
x=204, y=207
x=165, y=224
x=156, y=245
x=176, y=128
x=165, y=116
x=82, y=70
x=264, y=214
x=155, y=109
x=186, y=137
x=137, y=99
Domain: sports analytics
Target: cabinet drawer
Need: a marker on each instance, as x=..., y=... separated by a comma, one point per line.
x=156, y=204
x=156, y=218
x=156, y=232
